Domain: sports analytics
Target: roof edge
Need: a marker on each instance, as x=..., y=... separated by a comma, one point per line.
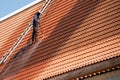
x=19, y=10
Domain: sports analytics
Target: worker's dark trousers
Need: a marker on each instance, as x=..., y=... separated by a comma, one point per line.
x=34, y=34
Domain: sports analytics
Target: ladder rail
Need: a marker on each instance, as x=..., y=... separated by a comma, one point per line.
x=44, y=6
x=15, y=45
x=7, y=54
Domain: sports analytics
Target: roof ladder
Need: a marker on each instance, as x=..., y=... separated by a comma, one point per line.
x=8, y=53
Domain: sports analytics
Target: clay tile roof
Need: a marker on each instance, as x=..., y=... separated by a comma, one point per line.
x=77, y=34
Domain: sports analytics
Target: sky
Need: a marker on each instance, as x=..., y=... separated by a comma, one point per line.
x=9, y=6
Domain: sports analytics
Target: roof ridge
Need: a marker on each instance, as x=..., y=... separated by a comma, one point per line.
x=19, y=10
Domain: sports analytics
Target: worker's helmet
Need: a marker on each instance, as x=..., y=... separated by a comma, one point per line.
x=38, y=13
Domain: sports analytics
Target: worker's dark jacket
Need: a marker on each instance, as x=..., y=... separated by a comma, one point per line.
x=35, y=19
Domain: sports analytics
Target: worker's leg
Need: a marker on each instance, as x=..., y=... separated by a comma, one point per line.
x=33, y=35
x=36, y=34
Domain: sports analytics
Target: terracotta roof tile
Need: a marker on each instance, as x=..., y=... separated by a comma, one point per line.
x=77, y=33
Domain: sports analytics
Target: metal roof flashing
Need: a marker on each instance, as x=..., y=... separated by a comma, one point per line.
x=19, y=10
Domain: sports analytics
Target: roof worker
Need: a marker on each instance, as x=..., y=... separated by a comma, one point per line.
x=35, y=26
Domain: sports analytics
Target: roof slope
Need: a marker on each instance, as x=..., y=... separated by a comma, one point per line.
x=14, y=26
x=11, y=28
x=77, y=33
